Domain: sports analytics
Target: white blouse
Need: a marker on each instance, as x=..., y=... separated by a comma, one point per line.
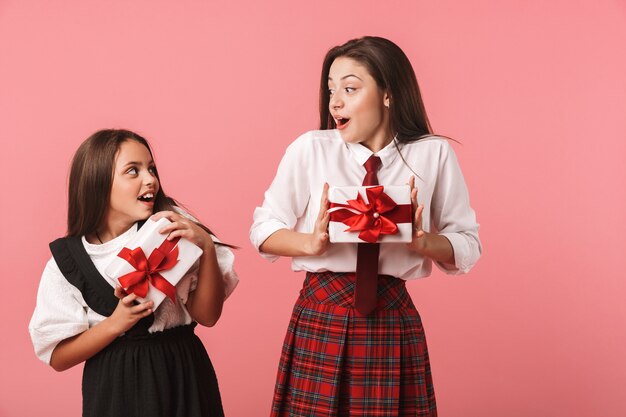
x=62, y=312
x=293, y=200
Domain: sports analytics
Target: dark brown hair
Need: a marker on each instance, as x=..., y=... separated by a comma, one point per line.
x=393, y=72
x=91, y=178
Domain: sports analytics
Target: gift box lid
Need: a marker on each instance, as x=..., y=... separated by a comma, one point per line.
x=355, y=219
x=182, y=256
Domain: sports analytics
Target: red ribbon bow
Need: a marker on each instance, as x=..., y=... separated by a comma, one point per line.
x=378, y=217
x=147, y=269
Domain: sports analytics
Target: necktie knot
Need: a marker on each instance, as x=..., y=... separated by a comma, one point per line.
x=372, y=164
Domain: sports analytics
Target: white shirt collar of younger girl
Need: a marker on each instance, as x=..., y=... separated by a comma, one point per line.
x=110, y=246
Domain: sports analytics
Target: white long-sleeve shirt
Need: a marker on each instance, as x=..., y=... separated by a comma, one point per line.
x=293, y=200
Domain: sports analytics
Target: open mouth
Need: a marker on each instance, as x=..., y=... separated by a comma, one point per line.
x=342, y=122
x=146, y=197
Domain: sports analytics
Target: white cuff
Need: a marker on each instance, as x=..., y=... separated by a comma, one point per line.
x=261, y=232
x=46, y=340
x=462, y=255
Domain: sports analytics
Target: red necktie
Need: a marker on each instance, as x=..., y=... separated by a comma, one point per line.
x=366, y=286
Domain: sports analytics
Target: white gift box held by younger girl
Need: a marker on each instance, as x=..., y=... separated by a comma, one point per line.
x=370, y=214
x=150, y=265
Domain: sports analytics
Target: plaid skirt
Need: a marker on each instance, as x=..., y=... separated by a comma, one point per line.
x=336, y=362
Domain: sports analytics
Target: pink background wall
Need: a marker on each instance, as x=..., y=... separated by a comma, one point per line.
x=535, y=90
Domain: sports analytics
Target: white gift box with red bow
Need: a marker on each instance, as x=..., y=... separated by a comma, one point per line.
x=370, y=214
x=152, y=264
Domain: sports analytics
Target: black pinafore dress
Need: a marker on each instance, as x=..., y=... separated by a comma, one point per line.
x=161, y=374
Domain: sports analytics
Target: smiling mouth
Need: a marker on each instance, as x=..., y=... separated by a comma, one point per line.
x=146, y=198
x=341, y=122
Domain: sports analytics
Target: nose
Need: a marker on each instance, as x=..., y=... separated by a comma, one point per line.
x=335, y=101
x=149, y=178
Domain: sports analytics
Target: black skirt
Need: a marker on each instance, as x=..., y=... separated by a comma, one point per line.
x=160, y=374
x=165, y=374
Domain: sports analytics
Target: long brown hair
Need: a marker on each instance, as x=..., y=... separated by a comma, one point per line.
x=91, y=178
x=393, y=72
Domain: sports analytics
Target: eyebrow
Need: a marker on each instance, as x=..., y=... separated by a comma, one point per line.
x=137, y=163
x=346, y=76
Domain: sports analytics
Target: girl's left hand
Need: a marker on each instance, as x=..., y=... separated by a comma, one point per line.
x=183, y=227
x=419, y=236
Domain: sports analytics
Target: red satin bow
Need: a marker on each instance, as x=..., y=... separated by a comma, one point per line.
x=147, y=269
x=378, y=217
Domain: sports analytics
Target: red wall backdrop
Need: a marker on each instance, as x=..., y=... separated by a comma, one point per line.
x=534, y=90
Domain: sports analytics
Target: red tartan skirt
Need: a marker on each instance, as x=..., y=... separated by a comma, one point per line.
x=336, y=362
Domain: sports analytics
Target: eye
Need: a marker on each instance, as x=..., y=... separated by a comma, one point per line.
x=132, y=171
x=331, y=91
x=152, y=170
x=350, y=90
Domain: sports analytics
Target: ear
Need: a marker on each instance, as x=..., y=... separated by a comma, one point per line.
x=386, y=99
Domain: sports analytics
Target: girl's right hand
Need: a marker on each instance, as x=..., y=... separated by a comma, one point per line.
x=127, y=313
x=318, y=241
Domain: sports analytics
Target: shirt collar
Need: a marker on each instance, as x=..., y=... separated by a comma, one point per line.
x=387, y=154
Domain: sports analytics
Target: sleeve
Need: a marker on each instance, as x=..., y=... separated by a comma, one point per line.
x=60, y=312
x=225, y=261
x=452, y=215
x=287, y=198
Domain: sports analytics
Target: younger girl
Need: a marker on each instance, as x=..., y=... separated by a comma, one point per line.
x=355, y=343
x=138, y=361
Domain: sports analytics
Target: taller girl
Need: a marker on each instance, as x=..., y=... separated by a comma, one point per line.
x=339, y=360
